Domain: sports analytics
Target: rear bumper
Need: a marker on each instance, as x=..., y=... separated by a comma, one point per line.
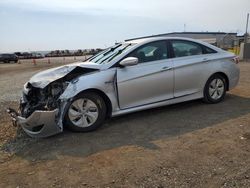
x=39, y=124
x=234, y=78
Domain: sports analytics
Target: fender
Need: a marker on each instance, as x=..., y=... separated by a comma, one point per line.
x=104, y=81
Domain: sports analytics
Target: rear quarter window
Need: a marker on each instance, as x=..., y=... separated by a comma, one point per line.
x=208, y=50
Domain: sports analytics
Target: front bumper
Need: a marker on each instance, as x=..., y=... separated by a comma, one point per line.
x=39, y=124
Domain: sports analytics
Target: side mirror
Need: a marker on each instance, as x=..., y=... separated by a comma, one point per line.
x=129, y=61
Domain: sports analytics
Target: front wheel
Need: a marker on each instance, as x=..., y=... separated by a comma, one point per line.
x=215, y=89
x=86, y=112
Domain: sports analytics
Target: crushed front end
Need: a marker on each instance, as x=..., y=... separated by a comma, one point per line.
x=40, y=110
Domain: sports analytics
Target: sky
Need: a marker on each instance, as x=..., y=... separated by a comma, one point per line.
x=37, y=25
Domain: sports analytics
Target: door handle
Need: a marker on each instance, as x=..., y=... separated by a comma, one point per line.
x=205, y=60
x=166, y=68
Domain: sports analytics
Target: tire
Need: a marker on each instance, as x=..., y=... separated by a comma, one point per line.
x=85, y=113
x=215, y=89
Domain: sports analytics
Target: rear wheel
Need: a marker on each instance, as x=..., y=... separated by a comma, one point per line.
x=86, y=112
x=215, y=89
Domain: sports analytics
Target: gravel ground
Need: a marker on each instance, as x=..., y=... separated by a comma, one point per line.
x=13, y=76
x=11, y=85
x=191, y=144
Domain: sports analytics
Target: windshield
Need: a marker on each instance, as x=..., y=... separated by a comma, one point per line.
x=110, y=53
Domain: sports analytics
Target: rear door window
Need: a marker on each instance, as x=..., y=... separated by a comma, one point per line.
x=186, y=48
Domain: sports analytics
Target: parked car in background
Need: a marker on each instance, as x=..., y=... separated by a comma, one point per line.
x=128, y=77
x=20, y=55
x=27, y=55
x=37, y=55
x=7, y=58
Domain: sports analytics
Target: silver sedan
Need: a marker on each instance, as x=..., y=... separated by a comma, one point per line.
x=128, y=77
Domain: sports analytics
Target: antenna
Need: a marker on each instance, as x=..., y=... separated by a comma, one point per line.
x=246, y=34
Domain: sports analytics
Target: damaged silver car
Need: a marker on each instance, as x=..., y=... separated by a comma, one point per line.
x=130, y=76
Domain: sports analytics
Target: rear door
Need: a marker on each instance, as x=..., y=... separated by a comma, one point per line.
x=150, y=81
x=192, y=66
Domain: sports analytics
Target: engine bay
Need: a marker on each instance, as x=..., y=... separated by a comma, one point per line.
x=41, y=99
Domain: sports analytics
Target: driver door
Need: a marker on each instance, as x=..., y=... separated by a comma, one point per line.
x=150, y=81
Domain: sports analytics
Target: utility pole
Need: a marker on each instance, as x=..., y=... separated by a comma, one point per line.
x=246, y=34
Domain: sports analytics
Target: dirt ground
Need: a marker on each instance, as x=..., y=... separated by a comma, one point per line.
x=191, y=144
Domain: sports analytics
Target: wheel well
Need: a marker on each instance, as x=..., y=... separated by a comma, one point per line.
x=105, y=98
x=224, y=76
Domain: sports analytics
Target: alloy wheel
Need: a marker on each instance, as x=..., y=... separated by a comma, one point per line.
x=83, y=112
x=216, y=88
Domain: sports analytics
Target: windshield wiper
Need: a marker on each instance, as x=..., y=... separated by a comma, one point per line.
x=116, y=54
x=95, y=56
x=110, y=50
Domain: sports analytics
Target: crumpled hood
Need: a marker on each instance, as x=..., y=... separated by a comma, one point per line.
x=43, y=78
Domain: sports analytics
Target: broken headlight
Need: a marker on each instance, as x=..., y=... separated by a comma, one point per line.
x=41, y=99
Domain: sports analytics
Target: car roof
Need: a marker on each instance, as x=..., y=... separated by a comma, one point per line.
x=152, y=39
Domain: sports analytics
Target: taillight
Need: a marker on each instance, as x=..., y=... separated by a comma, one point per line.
x=236, y=60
